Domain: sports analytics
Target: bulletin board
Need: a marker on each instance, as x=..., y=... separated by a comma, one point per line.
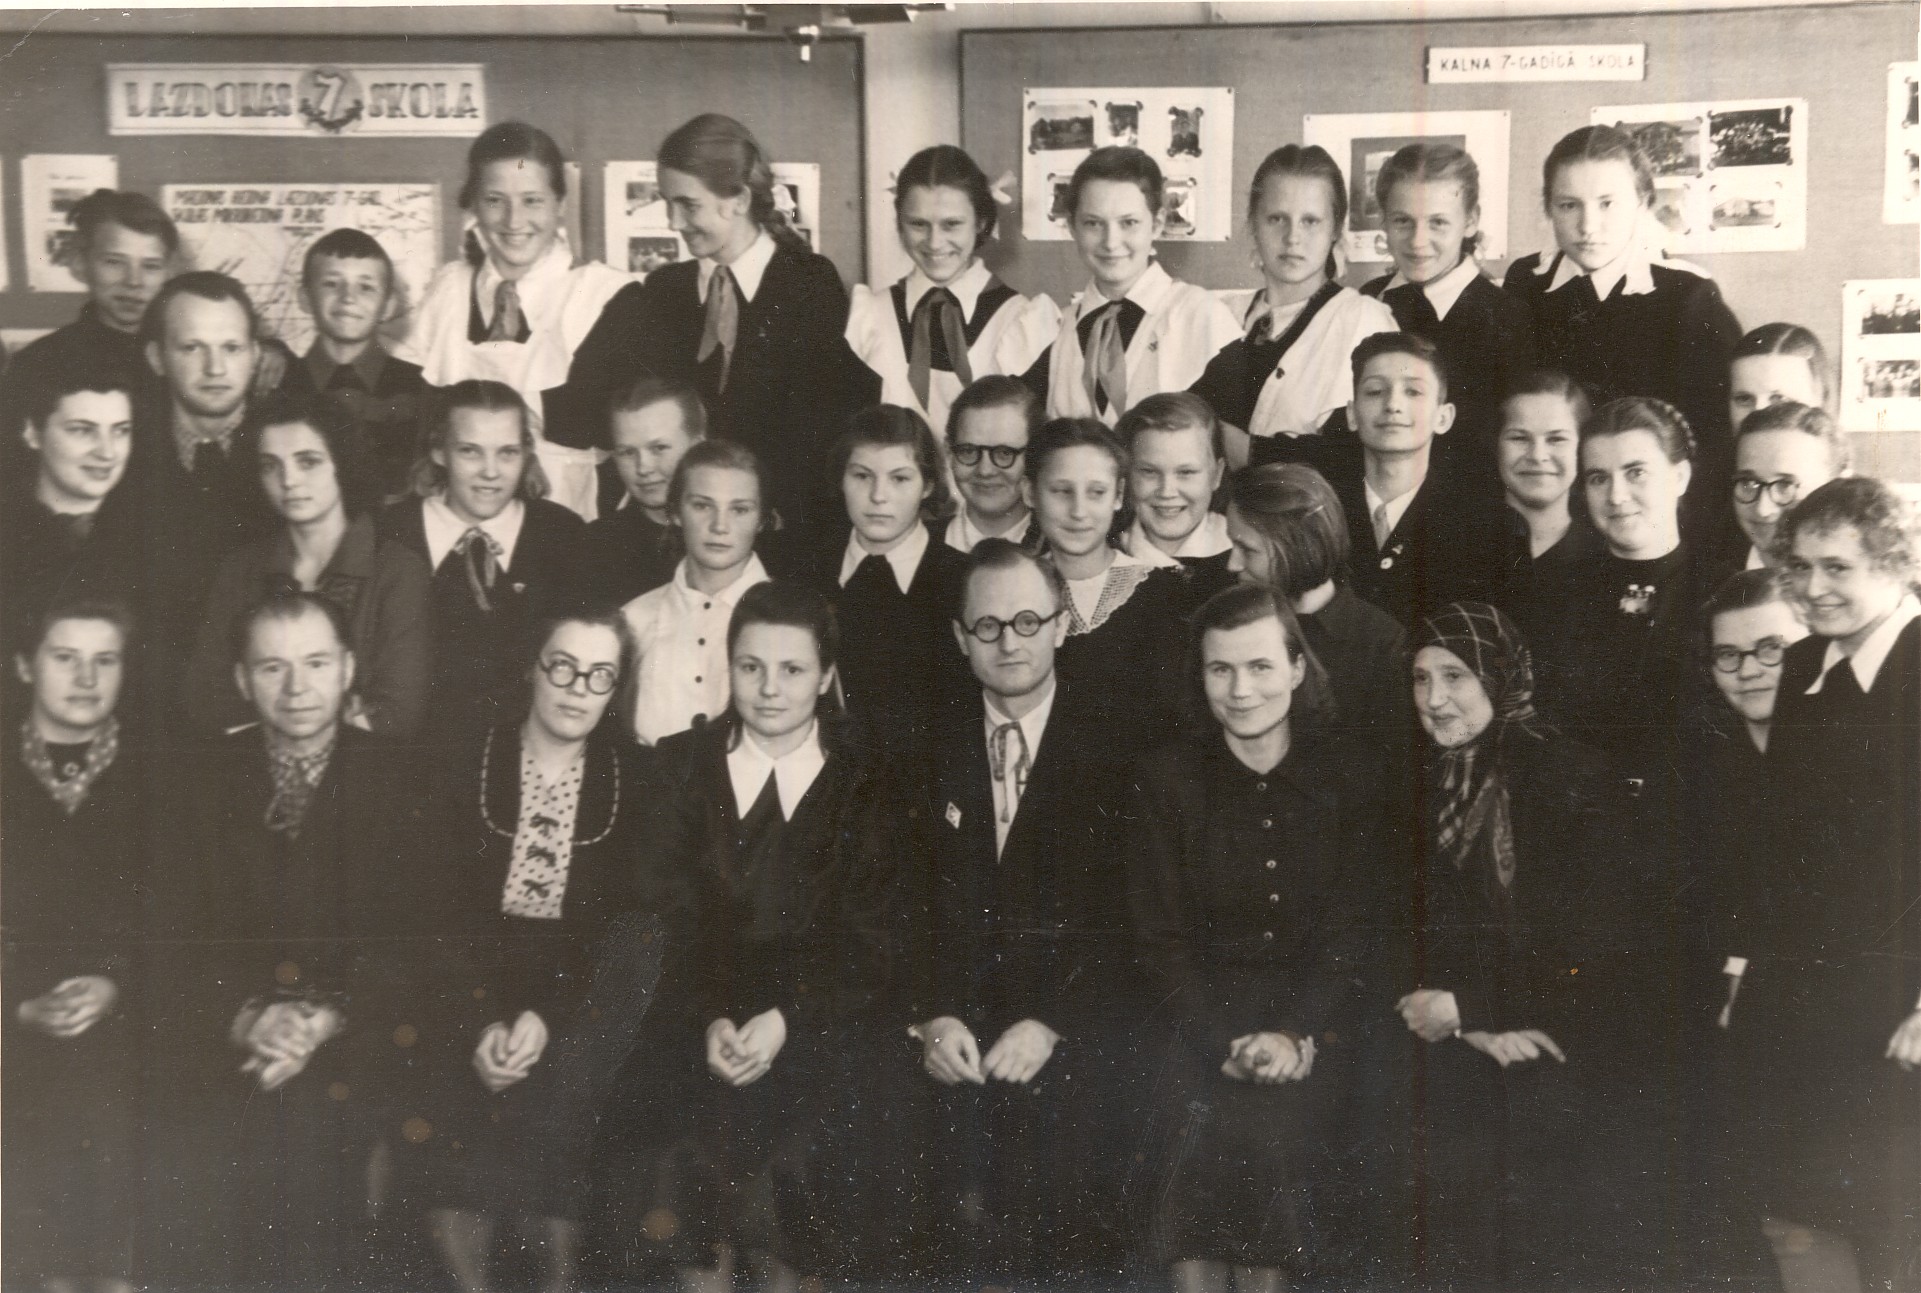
x=601, y=98
x=1834, y=57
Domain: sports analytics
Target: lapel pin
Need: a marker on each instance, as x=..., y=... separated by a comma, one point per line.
x=953, y=815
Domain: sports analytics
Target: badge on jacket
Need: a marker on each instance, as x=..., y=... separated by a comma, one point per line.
x=953, y=815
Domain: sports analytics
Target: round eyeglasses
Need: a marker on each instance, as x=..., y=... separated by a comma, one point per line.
x=1026, y=624
x=561, y=672
x=1767, y=653
x=1782, y=490
x=1003, y=455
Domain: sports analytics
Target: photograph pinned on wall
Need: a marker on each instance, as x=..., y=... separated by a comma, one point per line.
x=637, y=237
x=1362, y=142
x=1902, y=202
x=50, y=185
x=648, y=253
x=1881, y=354
x=1729, y=176
x=1188, y=132
x=797, y=197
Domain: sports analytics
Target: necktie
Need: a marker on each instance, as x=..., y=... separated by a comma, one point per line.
x=1010, y=773
x=722, y=328
x=509, y=323
x=940, y=308
x=1104, y=361
x=483, y=553
x=1381, y=527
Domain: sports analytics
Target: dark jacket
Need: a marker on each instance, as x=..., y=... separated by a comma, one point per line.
x=384, y=394
x=627, y=553
x=1443, y=549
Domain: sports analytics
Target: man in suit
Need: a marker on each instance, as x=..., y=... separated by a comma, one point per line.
x=1020, y=981
x=1419, y=540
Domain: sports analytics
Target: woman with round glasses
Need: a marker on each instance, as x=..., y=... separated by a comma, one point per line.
x=987, y=434
x=1784, y=451
x=541, y=824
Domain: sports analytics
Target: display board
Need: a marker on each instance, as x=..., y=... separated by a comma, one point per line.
x=603, y=99
x=1834, y=57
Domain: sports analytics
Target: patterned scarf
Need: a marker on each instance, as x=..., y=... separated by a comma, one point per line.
x=295, y=778
x=69, y=789
x=1473, y=821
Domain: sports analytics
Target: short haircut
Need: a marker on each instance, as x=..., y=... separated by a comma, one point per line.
x=1639, y=413
x=1790, y=415
x=1171, y=411
x=1060, y=434
x=1430, y=161
x=429, y=477
x=943, y=166
x=1299, y=517
x=647, y=391
x=52, y=383
x=288, y=605
x=894, y=425
x=1312, y=162
x=333, y=421
x=345, y=244
x=1120, y=165
x=791, y=605
x=1239, y=605
x=1880, y=516
x=135, y=212
x=1400, y=343
x=1741, y=591
x=1004, y=554
x=729, y=455
x=996, y=391
x=1788, y=339
x=1598, y=144
x=1555, y=382
x=80, y=605
x=208, y=285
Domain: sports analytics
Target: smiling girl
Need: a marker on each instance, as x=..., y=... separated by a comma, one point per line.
x=950, y=321
x=1133, y=330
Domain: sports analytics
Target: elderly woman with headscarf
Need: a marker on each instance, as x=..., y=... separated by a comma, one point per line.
x=1517, y=992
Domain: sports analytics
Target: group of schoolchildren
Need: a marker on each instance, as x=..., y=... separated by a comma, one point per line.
x=704, y=782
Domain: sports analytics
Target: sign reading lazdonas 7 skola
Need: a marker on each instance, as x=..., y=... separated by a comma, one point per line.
x=328, y=100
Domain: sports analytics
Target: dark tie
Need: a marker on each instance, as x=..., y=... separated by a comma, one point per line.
x=483, y=553
x=939, y=334
x=722, y=327
x=509, y=324
x=1104, y=360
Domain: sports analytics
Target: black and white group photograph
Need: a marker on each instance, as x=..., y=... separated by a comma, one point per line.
x=1264, y=646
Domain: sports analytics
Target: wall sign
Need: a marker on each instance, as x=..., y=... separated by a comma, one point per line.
x=327, y=100
x=1510, y=63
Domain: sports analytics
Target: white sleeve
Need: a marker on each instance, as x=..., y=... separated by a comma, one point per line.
x=1035, y=323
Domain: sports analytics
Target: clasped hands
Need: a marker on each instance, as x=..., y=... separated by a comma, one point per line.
x=281, y=1037
x=738, y=1056
x=1433, y=1015
x=71, y=1007
x=951, y=1054
x=1269, y=1058
x=506, y=1055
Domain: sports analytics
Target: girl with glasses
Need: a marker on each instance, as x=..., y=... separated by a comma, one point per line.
x=1783, y=451
x=541, y=821
x=987, y=435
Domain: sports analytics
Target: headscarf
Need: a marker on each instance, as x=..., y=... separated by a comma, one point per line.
x=1473, y=821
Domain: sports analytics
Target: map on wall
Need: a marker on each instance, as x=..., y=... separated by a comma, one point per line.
x=259, y=233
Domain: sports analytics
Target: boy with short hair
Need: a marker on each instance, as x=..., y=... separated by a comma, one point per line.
x=347, y=285
x=633, y=545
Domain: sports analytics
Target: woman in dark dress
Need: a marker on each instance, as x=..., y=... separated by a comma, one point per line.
x=1537, y=443
x=73, y=842
x=892, y=585
x=764, y=1033
x=539, y=837
x=1253, y=870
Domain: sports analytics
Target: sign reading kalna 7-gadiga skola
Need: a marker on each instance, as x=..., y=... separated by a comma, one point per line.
x=328, y=100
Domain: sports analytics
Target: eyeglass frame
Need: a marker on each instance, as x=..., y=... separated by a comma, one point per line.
x=1001, y=626
x=961, y=452
x=1768, y=487
x=555, y=667
x=1720, y=656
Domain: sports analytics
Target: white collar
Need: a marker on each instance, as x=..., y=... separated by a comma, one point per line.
x=1755, y=560
x=1208, y=539
x=1632, y=267
x=1149, y=292
x=964, y=536
x=1396, y=507
x=1443, y=292
x=444, y=528
x=747, y=269
x=966, y=287
x=750, y=574
x=749, y=765
x=533, y=287
x=1872, y=653
x=1033, y=722
x=904, y=557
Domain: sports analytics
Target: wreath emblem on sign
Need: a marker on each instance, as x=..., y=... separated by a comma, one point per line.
x=330, y=98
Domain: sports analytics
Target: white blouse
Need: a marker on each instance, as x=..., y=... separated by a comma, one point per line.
x=1315, y=376
x=1185, y=327
x=682, y=638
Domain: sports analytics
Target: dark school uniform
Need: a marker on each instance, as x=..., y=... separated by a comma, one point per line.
x=1363, y=651
x=790, y=387
x=1441, y=549
x=1128, y=659
x=46, y=557
x=1252, y=896
x=383, y=393
x=627, y=553
x=1527, y=584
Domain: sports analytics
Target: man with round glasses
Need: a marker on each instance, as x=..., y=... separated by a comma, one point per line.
x=987, y=434
x=1785, y=452
x=1021, y=995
